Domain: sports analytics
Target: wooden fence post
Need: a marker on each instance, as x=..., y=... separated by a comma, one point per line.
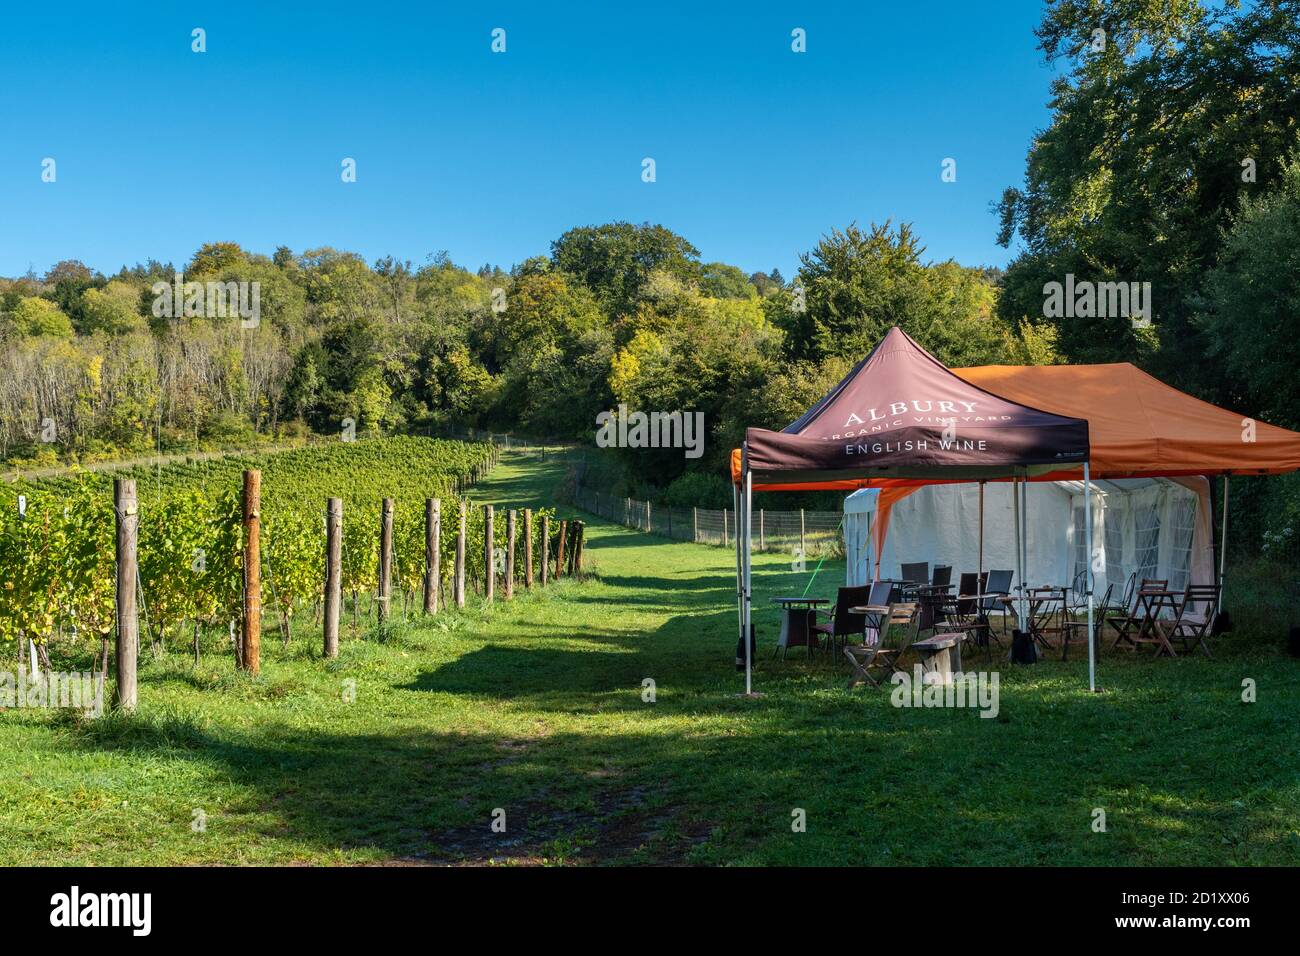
x=559, y=549
x=803, y=553
x=649, y=525
x=333, y=574
x=695, y=525
x=546, y=546
x=489, y=554
x=762, y=538
x=528, y=547
x=252, y=571
x=128, y=624
x=459, y=588
x=579, y=535
x=724, y=527
x=432, y=553
x=510, y=554
x=385, y=559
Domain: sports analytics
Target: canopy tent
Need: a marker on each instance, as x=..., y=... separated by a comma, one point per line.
x=900, y=415
x=1158, y=527
x=900, y=420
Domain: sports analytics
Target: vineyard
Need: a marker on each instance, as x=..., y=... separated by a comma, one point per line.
x=57, y=541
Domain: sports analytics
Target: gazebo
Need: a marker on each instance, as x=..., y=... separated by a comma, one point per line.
x=900, y=419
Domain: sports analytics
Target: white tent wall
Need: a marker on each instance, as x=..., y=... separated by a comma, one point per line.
x=1158, y=527
x=940, y=524
x=859, y=512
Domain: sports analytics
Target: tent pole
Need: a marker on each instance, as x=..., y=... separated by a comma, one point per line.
x=1087, y=524
x=749, y=579
x=1020, y=571
x=1024, y=542
x=1223, y=546
x=980, y=618
x=740, y=600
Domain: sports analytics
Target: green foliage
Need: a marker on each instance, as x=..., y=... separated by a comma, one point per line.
x=615, y=260
x=36, y=316
x=1144, y=162
x=1252, y=299
x=857, y=284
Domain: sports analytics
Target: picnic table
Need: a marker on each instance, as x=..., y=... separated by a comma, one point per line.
x=798, y=615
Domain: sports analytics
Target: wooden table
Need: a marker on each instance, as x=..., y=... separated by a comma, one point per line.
x=940, y=654
x=798, y=616
x=1150, y=602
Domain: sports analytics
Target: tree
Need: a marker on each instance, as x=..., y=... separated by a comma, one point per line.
x=856, y=284
x=1252, y=300
x=615, y=260
x=37, y=316
x=115, y=309
x=1161, y=123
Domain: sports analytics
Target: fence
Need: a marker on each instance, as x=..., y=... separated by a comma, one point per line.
x=811, y=532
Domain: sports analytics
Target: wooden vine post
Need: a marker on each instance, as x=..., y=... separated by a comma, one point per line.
x=546, y=546
x=459, y=588
x=559, y=549
x=510, y=554
x=579, y=536
x=528, y=547
x=253, y=571
x=385, y=559
x=489, y=554
x=432, y=557
x=128, y=624
x=333, y=574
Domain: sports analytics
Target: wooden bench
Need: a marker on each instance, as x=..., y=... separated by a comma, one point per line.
x=940, y=654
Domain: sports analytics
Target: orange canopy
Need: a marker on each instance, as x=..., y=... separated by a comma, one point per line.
x=1138, y=427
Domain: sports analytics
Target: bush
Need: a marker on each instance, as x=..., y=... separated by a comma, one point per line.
x=697, y=489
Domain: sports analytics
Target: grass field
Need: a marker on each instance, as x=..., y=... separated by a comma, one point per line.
x=535, y=708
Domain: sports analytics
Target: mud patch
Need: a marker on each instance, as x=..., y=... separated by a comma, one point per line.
x=625, y=827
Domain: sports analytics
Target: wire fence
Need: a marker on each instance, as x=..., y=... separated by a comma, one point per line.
x=791, y=532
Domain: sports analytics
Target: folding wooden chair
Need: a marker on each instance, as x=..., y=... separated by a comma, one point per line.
x=1200, y=602
x=872, y=654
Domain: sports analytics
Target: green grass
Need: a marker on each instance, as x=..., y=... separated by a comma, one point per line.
x=535, y=707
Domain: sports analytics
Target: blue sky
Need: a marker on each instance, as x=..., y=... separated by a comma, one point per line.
x=758, y=150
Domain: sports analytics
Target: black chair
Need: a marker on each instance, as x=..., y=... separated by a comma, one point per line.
x=843, y=624
x=915, y=575
x=942, y=576
x=960, y=611
x=996, y=584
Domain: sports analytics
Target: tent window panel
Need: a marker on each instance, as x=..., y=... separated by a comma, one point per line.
x=1116, y=572
x=1147, y=524
x=1182, y=526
